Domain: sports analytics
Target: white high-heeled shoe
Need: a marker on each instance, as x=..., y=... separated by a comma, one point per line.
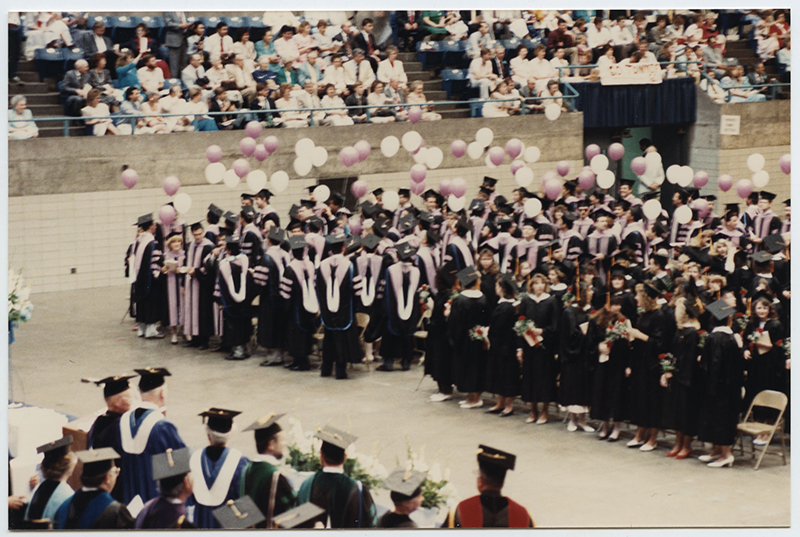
x=634, y=443
x=705, y=458
x=586, y=427
x=721, y=463
x=477, y=404
x=647, y=447
x=571, y=427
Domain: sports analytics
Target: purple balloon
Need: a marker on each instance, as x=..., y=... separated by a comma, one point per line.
x=552, y=189
x=725, y=182
x=130, y=178
x=562, y=168
x=497, y=155
x=271, y=144
x=417, y=188
x=639, y=165
x=700, y=179
x=167, y=214
x=744, y=187
x=261, y=153
x=586, y=178
x=458, y=148
x=348, y=156
x=785, y=163
x=418, y=173
x=516, y=165
x=359, y=188
x=615, y=151
x=513, y=148
x=591, y=151
x=253, y=129
x=363, y=149
x=214, y=153
x=445, y=187
x=414, y=114
x=458, y=187
x=171, y=185
x=247, y=146
x=241, y=167
x=702, y=207
x=355, y=225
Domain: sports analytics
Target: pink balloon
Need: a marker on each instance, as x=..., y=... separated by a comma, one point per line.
x=417, y=188
x=586, y=178
x=552, y=189
x=744, y=187
x=271, y=144
x=549, y=176
x=497, y=155
x=591, y=151
x=241, y=167
x=414, y=114
x=418, y=173
x=562, y=168
x=363, y=149
x=421, y=145
x=214, y=153
x=616, y=151
x=785, y=163
x=247, y=146
x=513, y=148
x=458, y=187
x=348, y=156
x=445, y=187
x=167, y=214
x=130, y=178
x=458, y=148
x=702, y=207
x=516, y=165
x=253, y=129
x=171, y=185
x=725, y=182
x=700, y=179
x=359, y=188
x=261, y=153
x=355, y=225
x=639, y=165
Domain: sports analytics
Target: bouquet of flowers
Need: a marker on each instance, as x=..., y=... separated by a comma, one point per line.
x=702, y=335
x=741, y=320
x=424, y=294
x=437, y=491
x=524, y=328
x=568, y=297
x=786, y=345
x=615, y=332
x=449, y=304
x=480, y=333
x=19, y=305
x=667, y=362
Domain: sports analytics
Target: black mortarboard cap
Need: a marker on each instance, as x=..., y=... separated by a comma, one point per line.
x=405, y=251
x=602, y=212
x=628, y=182
x=382, y=226
x=694, y=306
x=293, y=211
x=407, y=223
x=774, y=243
x=493, y=459
x=276, y=234
x=225, y=232
x=762, y=257
x=56, y=449
x=151, y=378
x=486, y=190
x=215, y=210
x=370, y=242
x=97, y=461
x=239, y=515
x=219, y=419
x=309, y=204
x=468, y=276
x=335, y=437
x=145, y=220
x=407, y=482
x=651, y=290
x=336, y=238
x=651, y=195
x=788, y=202
x=404, y=192
x=720, y=309
x=196, y=226
x=433, y=236
x=297, y=242
x=303, y=516
x=378, y=191
x=769, y=196
x=352, y=244
x=732, y=208
x=490, y=181
x=232, y=241
x=171, y=463
x=246, y=196
x=476, y=206
x=504, y=222
x=264, y=193
x=266, y=426
x=369, y=209
x=231, y=218
x=114, y=385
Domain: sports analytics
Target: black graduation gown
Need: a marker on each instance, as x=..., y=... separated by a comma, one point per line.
x=301, y=324
x=469, y=356
x=161, y=514
x=104, y=434
x=395, y=520
x=70, y=515
x=398, y=334
x=488, y=283
x=438, y=352
x=372, y=268
x=238, y=326
x=574, y=354
x=251, y=246
x=147, y=285
x=503, y=371
x=686, y=384
x=341, y=332
x=538, y=364
x=646, y=391
x=723, y=364
x=339, y=495
x=628, y=307
x=205, y=286
x=609, y=386
x=271, y=318
x=764, y=371
x=495, y=511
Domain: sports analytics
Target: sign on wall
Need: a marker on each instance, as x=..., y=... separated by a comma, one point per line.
x=620, y=74
x=729, y=125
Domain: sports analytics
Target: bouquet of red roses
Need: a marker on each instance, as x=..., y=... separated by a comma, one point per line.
x=616, y=331
x=667, y=362
x=480, y=333
x=525, y=329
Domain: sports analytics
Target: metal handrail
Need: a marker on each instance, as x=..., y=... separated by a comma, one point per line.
x=727, y=90
x=592, y=65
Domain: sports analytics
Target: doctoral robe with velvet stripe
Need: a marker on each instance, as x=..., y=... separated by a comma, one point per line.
x=211, y=460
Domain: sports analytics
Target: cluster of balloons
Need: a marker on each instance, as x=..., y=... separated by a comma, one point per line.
x=181, y=204
x=756, y=163
x=680, y=175
x=352, y=155
x=308, y=156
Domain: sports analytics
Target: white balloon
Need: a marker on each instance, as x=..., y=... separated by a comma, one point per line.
x=524, y=176
x=456, y=204
x=391, y=200
x=488, y=162
x=532, y=207
x=231, y=179
x=182, y=202
x=475, y=150
x=420, y=156
x=322, y=193
x=755, y=162
x=532, y=154
x=302, y=165
x=256, y=180
x=215, y=172
x=552, y=111
x=319, y=157
x=434, y=158
x=390, y=146
x=279, y=181
x=760, y=179
x=599, y=163
x=674, y=173
x=411, y=141
x=605, y=179
x=683, y=214
x=304, y=148
x=651, y=209
x=686, y=176
x=484, y=136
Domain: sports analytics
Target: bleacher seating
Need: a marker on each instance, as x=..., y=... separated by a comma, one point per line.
x=455, y=82
x=49, y=62
x=124, y=28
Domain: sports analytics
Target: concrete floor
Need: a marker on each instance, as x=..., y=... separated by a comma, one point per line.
x=566, y=480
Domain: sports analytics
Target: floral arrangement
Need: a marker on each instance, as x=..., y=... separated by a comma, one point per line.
x=615, y=332
x=19, y=305
x=449, y=304
x=568, y=297
x=480, y=333
x=524, y=328
x=754, y=337
x=667, y=362
x=741, y=321
x=437, y=491
x=424, y=294
x=701, y=341
x=786, y=345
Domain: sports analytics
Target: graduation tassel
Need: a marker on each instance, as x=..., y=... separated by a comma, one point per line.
x=749, y=306
x=578, y=282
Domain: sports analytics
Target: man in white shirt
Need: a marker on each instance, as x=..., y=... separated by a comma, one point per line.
x=480, y=73
x=150, y=76
x=334, y=74
x=310, y=100
x=244, y=80
x=310, y=70
x=647, y=56
x=622, y=39
x=478, y=40
x=598, y=36
x=359, y=69
x=193, y=71
x=219, y=45
x=391, y=68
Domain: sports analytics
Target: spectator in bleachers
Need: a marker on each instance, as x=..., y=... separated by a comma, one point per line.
x=780, y=28
x=694, y=32
x=644, y=52
x=48, y=30
x=433, y=22
x=481, y=75
x=276, y=19
x=195, y=43
x=219, y=45
x=479, y=40
x=758, y=78
x=173, y=102
x=263, y=74
x=221, y=103
x=784, y=59
x=416, y=96
x=520, y=66
x=309, y=100
x=499, y=62
x=75, y=88
x=712, y=56
x=558, y=60
x=304, y=41
x=141, y=43
x=218, y=76
x=76, y=22
x=529, y=95
x=19, y=126
x=246, y=48
x=552, y=90
x=95, y=108
x=175, y=26
x=336, y=76
x=356, y=100
x=579, y=29
x=607, y=58
x=500, y=21
x=740, y=90
x=502, y=109
x=409, y=31
x=332, y=100
x=150, y=76
x=262, y=103
x=598, y=36
x=345, y=37
x=694, y=67
x=359, y=69
x=266, y=48
x=397, y=95
x=677, y=29
x=96, y=41
x=667, y=54
x=288, y=75
x=541, y=69
x=242, y=78
x=767, y=45
x=152, y=109
x=589, y=74
x=365, y=41
x=456, y=28
x=287, y=102
x=561, y=37
x=194, y=74
x=658, y=34
x=286, y=46
x=376, y=97
x=391, y=68
x=100, y=78
x=710, y=26
x=324, y=42
x=311, y=69
x=132, y=106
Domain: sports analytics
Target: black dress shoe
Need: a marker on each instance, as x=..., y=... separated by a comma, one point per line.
x=406, y=367
x=341, y=378
x=234, y=357
x=202, y=347
x=613, y=439
x=603, y=436
x=505, y=414
x=493, y=411
x=383, y=368
x=190, y=344
x=299, y=368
